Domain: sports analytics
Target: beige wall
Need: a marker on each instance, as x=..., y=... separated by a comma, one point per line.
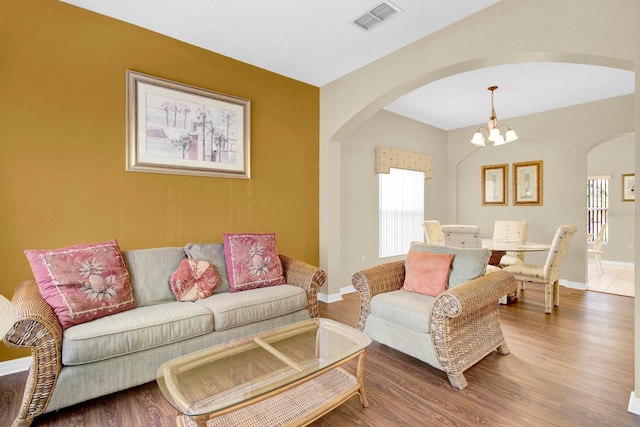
x=599, y=32
x=360, y=183
x=561, y=139
x=62, y=115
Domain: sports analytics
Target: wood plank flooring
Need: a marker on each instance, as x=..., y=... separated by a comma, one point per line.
x=571, y=368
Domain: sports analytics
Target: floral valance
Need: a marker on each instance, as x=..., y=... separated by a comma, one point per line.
x=387, y=158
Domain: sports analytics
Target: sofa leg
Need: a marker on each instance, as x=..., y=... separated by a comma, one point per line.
x=458, y=380
x=503, y=349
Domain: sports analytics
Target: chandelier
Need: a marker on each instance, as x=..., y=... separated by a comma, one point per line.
x=493, y=129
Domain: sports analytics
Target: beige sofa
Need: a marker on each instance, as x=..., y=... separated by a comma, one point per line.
x=451, y=331
x=124, y=350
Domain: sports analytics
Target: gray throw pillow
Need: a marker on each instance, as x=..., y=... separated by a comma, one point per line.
x=213, y=253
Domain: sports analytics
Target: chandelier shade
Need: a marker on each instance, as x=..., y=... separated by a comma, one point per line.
x=492, y=130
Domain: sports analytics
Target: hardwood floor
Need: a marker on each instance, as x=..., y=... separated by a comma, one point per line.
x=571, y=368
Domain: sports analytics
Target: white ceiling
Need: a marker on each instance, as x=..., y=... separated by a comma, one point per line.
x=315, y=41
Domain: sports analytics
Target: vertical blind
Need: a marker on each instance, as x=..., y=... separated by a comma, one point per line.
x=401, y=210
x=597, y=205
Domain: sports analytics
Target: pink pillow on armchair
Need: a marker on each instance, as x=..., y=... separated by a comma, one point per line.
x=427, y=273
x=252, y=261
x=193, y=280
x=82, y=282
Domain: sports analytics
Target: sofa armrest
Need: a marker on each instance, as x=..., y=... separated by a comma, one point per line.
x=36, y=327
x=465, y=323
x=376, y=280
x=305, y=276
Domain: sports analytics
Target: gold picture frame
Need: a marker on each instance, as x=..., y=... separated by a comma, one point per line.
x=527, y=183
x=174, y=128
x=628, y=187
x=494, y=185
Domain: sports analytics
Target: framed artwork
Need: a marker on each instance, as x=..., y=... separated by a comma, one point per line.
x=494, y=187
x=175, y=128
x=527, y=183
x=628, y=187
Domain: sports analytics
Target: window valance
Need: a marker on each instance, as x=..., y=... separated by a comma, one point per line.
x=387, y=157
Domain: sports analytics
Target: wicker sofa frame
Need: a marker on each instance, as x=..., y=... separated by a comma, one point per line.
x=465, y=321
x=36, y=327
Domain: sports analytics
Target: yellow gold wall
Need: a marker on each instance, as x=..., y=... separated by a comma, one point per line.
x=63, y=130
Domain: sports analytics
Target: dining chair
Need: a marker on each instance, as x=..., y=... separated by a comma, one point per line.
x=596, y=249
x=465, y=236
x=433, y=232
x=549, y=273
x=510, y=231
x=462, y=236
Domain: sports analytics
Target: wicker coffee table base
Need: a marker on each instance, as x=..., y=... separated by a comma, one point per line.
x=298, y=405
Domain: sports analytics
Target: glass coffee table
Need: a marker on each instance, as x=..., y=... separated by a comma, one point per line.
x=288, y=376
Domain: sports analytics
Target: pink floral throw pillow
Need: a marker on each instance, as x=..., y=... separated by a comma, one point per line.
x=193, y=280
x=252, y=261
x=82, y=282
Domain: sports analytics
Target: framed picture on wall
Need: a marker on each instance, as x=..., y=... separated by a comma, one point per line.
x=527, y=183
x=628, y=187
x=494, y=187
x=175, y=128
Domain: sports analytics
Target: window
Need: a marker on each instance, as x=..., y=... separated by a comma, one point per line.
x=597, y=205
x=401, y=210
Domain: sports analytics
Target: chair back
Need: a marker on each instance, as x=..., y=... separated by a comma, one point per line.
x=597, y=244
x=433, y=232
x=511, y=231
x=557, y=252
x=462, y=236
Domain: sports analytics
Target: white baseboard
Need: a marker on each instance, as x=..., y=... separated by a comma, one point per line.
x=14, y=366
x=329, y=298
x=634, y=404
x=573, y=285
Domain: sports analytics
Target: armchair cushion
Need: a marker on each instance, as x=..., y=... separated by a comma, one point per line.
x=427, y=273
x=406, y=309
x=468, y=263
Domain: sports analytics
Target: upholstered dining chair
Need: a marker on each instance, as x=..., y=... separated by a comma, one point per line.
x=596, y=249
x=510, y=231
x=433, y=232
x=549, y=273
x=462, y=236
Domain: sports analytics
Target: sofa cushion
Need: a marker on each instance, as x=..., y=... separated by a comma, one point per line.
x=193, y=280
x=149, y=271
x=409, y=310
x=82, y=282
x=468, y=263
x=133, y=331
x=427, y=273
x=234, y=309
x=213, y=253
x=252, y=261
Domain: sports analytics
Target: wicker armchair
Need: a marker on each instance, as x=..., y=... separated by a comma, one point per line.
x=36, y=327
x=464, y=323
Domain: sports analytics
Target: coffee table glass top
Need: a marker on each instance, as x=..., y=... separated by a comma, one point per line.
x=224, y=375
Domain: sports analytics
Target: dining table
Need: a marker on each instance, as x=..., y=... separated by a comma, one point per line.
x=499, y=248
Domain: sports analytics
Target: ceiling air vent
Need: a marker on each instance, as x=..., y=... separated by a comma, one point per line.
x=377, y=15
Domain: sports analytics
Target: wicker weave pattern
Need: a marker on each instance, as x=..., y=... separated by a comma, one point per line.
x=36, y=327
x=305, y=276
x=376, y=280
x=465, y=322
x=290, y=407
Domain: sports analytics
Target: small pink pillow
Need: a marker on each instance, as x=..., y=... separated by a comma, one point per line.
x=193, y=280
x=427, y=273
x=252, y=261
x=82, y=282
